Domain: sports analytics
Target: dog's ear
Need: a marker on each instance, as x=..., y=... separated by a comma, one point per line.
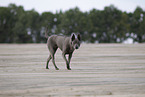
x=72, y=37
x=79, y=37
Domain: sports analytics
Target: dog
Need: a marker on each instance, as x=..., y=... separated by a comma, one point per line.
x=66, y=44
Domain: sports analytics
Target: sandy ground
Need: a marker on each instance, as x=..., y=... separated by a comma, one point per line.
x=98, y=70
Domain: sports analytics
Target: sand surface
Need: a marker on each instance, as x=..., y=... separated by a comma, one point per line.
x=98, y=70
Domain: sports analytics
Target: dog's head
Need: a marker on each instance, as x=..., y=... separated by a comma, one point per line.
x=75, y=41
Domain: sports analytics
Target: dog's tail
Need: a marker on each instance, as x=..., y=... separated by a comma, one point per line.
x=46, y=35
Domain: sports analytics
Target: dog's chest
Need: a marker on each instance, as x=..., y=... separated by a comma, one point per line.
x=68, y=50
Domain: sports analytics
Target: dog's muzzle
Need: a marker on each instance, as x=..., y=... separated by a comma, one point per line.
x=77, y=47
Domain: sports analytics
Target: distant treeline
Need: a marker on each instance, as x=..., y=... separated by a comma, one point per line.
x=110, y=25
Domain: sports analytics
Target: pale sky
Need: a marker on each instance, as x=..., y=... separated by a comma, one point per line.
x=84, y=5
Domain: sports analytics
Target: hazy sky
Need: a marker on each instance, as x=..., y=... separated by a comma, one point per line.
x=84, y=5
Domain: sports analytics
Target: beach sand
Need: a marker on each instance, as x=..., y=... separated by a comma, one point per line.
x=98, y=70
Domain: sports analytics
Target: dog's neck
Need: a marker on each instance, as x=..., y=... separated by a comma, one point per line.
x=71, y=47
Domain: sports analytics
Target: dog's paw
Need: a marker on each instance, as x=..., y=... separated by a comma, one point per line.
x=57, y=68
x=69, y=68
x=47, y=68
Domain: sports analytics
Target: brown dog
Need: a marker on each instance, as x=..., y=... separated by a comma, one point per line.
x=66, y=44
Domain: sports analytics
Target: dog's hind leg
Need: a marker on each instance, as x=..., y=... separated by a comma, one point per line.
x=49, y=58
x=52, y=52
x=53, y=60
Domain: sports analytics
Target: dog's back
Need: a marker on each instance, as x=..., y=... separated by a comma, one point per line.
x=57, y=41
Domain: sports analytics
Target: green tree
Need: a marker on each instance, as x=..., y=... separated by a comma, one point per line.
x=138, y=25
x=4, y=27
x=19, y=30
x=7, y=22
x=110, y=25
x=33, y=25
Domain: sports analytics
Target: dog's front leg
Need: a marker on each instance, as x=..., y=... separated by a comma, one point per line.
x=67, y=63
x=69, y=58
